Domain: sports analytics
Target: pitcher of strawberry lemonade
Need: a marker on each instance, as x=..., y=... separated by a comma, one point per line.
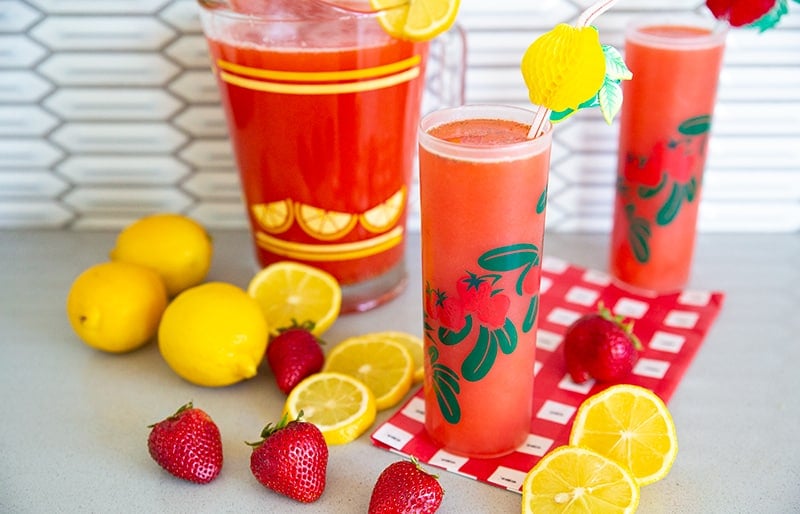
x=322, y=106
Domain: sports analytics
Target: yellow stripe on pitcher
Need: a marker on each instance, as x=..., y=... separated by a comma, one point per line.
x=319, y=76
x=320, y=89
x=331, y=252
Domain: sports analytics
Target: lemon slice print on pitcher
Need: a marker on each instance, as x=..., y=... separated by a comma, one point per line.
x=274, y=217
x=384, y=216
x=323, y=224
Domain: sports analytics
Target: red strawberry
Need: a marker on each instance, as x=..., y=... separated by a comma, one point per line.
x=405, y=488
x=740, y=12
x=188, y=445
x=601, y=346
x=291, y=459
x=293, y=355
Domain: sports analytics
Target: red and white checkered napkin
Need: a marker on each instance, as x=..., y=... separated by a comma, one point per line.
x=671, y=328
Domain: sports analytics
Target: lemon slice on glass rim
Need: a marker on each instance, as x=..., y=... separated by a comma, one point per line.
x=416, y=20
x=292, y=293
x=341, y=406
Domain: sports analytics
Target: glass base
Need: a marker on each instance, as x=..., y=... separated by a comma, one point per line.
x=364, y=296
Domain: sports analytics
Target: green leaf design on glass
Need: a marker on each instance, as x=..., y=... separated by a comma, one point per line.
x=530, y=316
x=690, y=189
x=511, y=257
x=671, y=207
x=481, y=358
x=448, y=337
x=542, y=203
x=649, y=192
x=638, y=235
x=695, y=126
x=506, y=337
x=446, y=388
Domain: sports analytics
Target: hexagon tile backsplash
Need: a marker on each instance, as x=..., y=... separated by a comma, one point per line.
x=108, y=111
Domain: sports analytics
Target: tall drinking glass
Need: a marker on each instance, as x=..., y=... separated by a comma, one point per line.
x=663, y=141
x=483, y=189
x=322, y=108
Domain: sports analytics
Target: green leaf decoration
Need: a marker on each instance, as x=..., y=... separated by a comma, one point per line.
x=510, y=257
x=542, y=203
x=616, y=69
x=557, y=116
x=610, y=98
x=649, y=192
x=448, y=337
x=772, y=17
x=695, y=126
x=639, y=239
x=506, y=337
x=671, y=207
x=690, y=188
x=446, y=388
x=481, y=358
x=530, y=316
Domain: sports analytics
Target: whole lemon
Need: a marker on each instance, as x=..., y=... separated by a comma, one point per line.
x=213, y=335
x=175, y=246
x=116, y=306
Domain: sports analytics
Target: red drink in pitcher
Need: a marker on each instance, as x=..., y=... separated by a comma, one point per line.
x=483, y=191
x=664, y=131
x=323, y=126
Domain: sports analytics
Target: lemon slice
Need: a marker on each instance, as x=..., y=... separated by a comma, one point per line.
x=577, y=480
x=416, y=20
x=384, y=365
x=325, y=225
x=274, y=217
x=339, y=405
x=291, y=292
x=631, y=425
x=384, y=216
x=412, y=343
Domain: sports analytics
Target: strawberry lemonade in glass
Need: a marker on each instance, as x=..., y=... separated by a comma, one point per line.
x=322, y=107
x=483, y=190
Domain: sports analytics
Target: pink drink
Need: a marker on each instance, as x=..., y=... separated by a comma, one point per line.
x=664, y=130
x=483, y=190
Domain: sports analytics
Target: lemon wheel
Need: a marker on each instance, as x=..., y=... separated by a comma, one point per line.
x=416, y=20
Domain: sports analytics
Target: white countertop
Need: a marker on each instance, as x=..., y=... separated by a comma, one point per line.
x=73, y=435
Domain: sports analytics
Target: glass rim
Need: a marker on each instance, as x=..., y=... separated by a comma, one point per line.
x=505, y=151
x=359, y=9
x=717, y=30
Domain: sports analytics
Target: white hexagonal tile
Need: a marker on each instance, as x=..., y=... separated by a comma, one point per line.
x=203, y=121
x=99, y=6
x=33, y=214
x=31, y=184
x=221, y=215
x=110, y=200
x=25, y=120
x=108, y=68
x=113, y=104
x=191, y=51
x=28, y=153
x=214, y=184
x=19, y=52
x=22, y=86
x=209, y=153
x=16, y=16
x=123, y=169
x=132, y=138
x=184, y=15
x=106, y=32
x=196, y=86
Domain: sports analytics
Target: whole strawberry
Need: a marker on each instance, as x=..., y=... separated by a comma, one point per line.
x=294, y=354
x=740, y=12
x=291, y=459
x=188, y=445
x=405, y=488
x=600, y=346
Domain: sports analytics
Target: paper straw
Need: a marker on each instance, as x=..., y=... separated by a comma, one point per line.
x=584, y=20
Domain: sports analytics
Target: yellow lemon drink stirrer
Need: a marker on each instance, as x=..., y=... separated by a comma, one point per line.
x=567, y=69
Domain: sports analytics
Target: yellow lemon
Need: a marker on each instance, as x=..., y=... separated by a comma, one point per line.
x=384, y=365
x=341, y=406
x=290, y=292
x=116, y=306
x=631, y=425
x=578, y=481
x=416, y=20
x=412, y=343
x=564, y=67
x=213, y=335
x=175, y=246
